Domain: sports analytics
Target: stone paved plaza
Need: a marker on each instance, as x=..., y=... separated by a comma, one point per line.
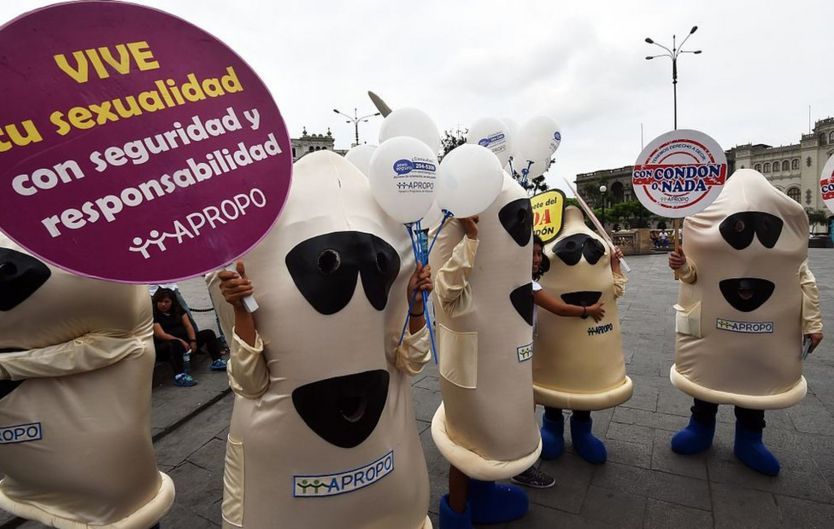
x=643, y=484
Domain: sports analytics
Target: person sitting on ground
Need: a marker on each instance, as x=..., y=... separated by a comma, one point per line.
x=174, y=336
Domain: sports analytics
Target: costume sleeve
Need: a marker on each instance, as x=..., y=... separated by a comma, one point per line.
x=811, y=313
x=687, y=273
x=414, y=353
x=247, y=371
x=619, y=285
x=452, y=281
x=87, y=353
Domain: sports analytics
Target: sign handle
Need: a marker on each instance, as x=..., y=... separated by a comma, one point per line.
x=249, y=302
x=595, y=221
x=676, y=226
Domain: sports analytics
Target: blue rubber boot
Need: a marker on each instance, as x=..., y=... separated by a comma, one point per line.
x=491, y=502
x=695, y=438
x=553, y=436
x=586, y=445
x=450, y=519
x=753, y=453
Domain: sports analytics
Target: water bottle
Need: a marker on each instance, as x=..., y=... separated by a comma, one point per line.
x=186, y=361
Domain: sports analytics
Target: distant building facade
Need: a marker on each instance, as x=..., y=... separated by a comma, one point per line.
x=793, y=169
x=308, y=143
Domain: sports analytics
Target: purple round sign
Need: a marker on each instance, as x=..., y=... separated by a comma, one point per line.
x=134, y=146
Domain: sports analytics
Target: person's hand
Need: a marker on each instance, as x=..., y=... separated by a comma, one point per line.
x=815, y=338
x=677, y=259
x=596, y=311
x=235, y=285
x=193, y=346
x=470, y=226
x=184, y=344
x=420, y=281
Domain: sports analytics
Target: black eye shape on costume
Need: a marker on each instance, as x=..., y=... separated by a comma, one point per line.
x=522, y=300
x=325, y=268
x=345, y=410
x=571, y=249
x=20, y=276
x=746, y=294
x=517, y=219
x=738, y=229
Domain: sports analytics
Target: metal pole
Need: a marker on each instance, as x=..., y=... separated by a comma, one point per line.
x=675, y=81
x=603, y=211
x=675, y=89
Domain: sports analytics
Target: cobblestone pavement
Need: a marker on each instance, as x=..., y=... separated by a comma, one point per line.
x=643, y=484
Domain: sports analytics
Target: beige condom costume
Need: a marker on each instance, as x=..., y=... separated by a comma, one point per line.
x=484, y=306
x=579, y=363
x=323, y=432
x=76, y=361
x=746, y=291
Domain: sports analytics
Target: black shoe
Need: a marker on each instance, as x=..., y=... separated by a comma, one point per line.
x=534, y=478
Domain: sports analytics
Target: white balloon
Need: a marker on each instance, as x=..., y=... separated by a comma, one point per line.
x=403, y=178
x=470, y=178
x=493, y=134
x=411, y=122
x=360, y=157
x=536, y=142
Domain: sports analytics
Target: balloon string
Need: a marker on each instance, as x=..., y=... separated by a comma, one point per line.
x=446, y=215
x=418, y=245
x=525, y=173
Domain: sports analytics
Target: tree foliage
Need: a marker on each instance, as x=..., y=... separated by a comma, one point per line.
x=816, y=216
x=452, y=139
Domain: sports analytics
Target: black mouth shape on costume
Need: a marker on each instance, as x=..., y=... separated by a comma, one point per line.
x=345, y=410
x=325, y=269
x=517, y=219
x=7, y=386
x=746, y=294
x=21, y=276
x=522, y=300
x=582, y=298
x=571, y=249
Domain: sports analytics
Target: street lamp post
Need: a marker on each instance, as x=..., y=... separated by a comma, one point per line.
x=356, y=119
x=602, y=190
x=673, y=54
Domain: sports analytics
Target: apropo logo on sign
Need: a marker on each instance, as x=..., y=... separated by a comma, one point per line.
x=679, y=173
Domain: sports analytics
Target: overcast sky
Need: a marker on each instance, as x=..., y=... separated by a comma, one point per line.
x=582, y=63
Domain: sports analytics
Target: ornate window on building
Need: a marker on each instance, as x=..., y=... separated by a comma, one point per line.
x=795, y=163
x=785, y=165
x=831, y=137
x=808, y=161
x=767, y=167
x=758, y=167
x=822, y=138
x=808, y=196
x=795, y=194
x=775, y=167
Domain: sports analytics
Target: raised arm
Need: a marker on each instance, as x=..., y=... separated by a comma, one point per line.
x=247, y=371
x=452, y=282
